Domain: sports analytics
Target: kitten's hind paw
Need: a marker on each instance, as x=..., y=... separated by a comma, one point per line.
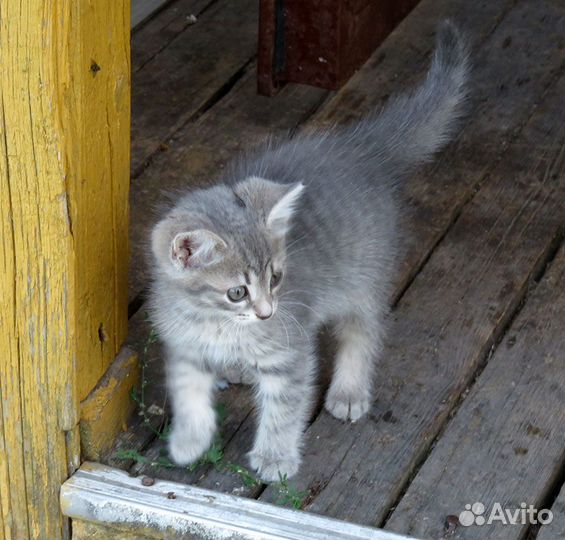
x=346, y=407
x=271, y=469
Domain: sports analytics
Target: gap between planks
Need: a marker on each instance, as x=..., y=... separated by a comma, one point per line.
x=501, y=446
x=178, y=81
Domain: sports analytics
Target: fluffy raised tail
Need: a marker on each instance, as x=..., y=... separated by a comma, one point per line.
x=413, y=126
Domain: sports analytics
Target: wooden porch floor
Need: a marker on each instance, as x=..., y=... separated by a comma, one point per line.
x=470, y=395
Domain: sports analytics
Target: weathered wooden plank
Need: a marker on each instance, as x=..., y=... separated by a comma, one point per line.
x=64, y=171
x=502, y=446
x=237, y=448
x=190, y=161
x=105, y=412
x=556, y=529
x=100, y=494
x=178, y=82
x=97, y=149
x=400, y=59
x=446, y=323
x=198, y=153
x=163, y=27
x=187, y=160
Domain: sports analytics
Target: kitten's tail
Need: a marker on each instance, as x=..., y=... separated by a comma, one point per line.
x=416, y=125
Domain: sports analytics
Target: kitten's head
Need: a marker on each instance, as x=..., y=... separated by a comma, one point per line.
x=223, y=248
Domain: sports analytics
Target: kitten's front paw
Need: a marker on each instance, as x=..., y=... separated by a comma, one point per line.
x=346, y=406
x=271, y=468
x=185, y=447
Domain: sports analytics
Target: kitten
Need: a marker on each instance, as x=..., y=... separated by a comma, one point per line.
x=246, y=272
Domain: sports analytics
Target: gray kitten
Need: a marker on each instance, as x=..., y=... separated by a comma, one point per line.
x=304, y=234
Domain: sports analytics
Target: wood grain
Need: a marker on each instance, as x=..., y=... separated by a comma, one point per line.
x=105, y=412
x=162, y=28
x=178, y=82
x=64, y=173
x=142, y=9
x=95, y=118
x=502, y=446
x=84, y=530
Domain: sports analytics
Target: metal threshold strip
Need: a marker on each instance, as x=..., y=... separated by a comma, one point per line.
x=107, y=496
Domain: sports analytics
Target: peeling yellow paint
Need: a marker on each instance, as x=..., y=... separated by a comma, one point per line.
x=106, y=410
x=64, y=175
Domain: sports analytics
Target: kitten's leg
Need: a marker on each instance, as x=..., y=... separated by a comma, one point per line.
x=285, y=401
x=360, y=342
x=194, y=419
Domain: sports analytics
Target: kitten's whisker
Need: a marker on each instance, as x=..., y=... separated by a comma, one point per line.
x=295, y=321
x=296, y=240
x=294, y=252
x=304, y=305
x=293, y=291
x=286, y=332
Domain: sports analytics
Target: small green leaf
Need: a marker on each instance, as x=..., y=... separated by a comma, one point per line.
x=165, y=432
x=249, y=480
x=164, y=461
x=288, y=494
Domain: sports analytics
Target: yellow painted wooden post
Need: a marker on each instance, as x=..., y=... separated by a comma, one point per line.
x=64, y=176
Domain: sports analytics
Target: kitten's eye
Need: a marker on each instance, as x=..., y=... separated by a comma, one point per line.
x=275, y=279
x=237, y=294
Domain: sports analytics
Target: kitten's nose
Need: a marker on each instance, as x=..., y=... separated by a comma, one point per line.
x=263, y=309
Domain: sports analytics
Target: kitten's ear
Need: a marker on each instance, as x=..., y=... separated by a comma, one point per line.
x=278, y=218
x=196, y=249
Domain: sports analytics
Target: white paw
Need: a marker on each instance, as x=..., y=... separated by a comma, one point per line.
x=185, y=447
x=271, y=468
x=346, y=406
